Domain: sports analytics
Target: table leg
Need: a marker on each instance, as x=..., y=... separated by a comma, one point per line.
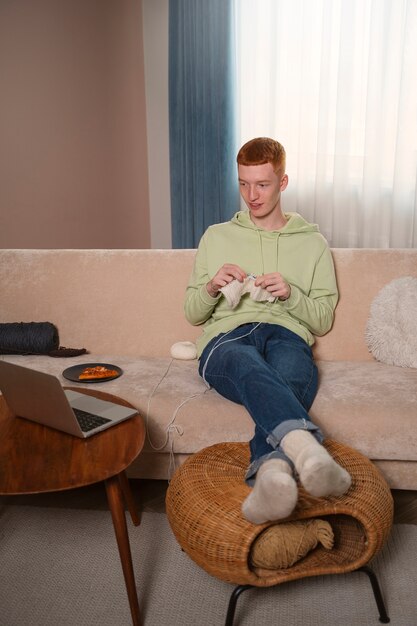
x=115, y=500
x=127, y=492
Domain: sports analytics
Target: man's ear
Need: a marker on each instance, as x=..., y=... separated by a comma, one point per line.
x=284, y=182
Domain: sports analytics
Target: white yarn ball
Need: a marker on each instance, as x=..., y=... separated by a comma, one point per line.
x=184, y=350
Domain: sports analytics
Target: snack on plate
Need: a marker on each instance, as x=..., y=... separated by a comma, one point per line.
x=99, y=371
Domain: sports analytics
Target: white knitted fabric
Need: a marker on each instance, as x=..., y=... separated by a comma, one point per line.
x=235, y=290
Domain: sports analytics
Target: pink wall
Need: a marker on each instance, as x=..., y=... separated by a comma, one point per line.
x=73, y=155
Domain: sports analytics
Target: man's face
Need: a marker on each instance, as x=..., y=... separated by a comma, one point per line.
x=260, y=188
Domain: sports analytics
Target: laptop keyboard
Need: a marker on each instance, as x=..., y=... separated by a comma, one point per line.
x=88, y=421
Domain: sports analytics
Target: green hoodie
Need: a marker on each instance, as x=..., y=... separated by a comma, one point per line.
x=298, y=251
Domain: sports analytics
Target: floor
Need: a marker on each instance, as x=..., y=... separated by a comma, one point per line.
x=150, y=496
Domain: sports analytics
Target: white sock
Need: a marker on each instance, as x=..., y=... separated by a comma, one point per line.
x=319, y=473
x=274, y=494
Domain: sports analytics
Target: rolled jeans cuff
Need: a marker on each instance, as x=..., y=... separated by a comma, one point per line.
x=256, y=464
x=275, y=437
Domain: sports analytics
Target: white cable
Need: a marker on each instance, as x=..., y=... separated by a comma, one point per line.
x=175, y=428
x=170, y=428
x=219, y=343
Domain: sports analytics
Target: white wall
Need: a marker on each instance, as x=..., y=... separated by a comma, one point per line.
x=155, y=38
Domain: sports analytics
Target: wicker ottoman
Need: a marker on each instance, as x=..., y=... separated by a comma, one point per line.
x=204, y=510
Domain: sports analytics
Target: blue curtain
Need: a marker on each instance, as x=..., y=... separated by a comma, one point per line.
x=202, y=117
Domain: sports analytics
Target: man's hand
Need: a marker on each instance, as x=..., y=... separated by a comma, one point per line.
x=275, y=284
x=224, y=276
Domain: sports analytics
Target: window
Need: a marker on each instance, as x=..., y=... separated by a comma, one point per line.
x=334, y=81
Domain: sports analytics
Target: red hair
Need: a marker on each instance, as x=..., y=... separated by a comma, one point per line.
x=262, y=150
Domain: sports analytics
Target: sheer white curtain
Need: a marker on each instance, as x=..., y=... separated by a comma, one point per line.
x=335, y=81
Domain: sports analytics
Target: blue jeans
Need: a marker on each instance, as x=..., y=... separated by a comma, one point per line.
x=269, y=370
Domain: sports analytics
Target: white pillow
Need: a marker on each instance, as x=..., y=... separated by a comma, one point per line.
x=391, y=330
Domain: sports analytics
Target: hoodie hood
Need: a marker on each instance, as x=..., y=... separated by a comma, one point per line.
x=295, y=224
x=270, y=242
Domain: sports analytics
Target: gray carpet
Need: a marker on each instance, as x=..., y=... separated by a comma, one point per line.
x=60, y=567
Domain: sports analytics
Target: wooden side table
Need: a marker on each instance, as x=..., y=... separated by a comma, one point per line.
x=38, y=459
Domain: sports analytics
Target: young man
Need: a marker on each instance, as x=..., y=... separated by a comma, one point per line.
x=256, y=346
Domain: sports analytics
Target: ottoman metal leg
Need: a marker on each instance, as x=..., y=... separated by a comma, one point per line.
x=383, y=616
x=232, y=603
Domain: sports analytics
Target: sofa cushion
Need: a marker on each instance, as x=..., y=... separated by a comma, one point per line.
x=358, y=403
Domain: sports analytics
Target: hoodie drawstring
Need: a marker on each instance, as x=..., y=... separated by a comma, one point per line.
x=261, y=251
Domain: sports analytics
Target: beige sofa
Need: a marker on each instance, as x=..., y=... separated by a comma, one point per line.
x=126, y=308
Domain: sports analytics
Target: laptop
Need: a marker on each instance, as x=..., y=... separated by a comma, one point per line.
x=40, y=397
